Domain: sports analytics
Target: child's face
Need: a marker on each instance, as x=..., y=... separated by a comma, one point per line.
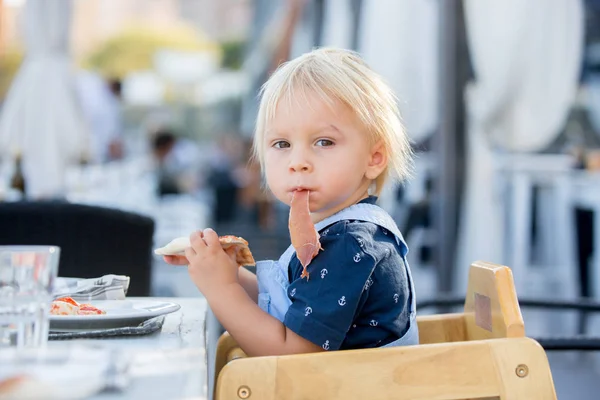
x=323, y=148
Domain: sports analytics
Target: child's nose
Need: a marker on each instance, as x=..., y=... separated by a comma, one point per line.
x=299, y=163
x=300, y=166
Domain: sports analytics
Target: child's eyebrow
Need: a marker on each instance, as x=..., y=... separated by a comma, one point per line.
x=273, y=133
x=269, y=133
x=330, y=127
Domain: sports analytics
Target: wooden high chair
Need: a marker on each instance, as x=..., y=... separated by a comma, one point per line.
x=481, y=353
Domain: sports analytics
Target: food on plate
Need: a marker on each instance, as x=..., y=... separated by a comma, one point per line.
x=304, y=235
x=60, y=307
x=69, y=300
x=68, y=306
x=243, y=255
x=88, y=309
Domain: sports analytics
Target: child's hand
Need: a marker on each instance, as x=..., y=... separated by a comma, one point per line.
x=176, y=260
x=210, y=267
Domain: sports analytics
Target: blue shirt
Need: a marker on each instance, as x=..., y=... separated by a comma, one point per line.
x=358, y=293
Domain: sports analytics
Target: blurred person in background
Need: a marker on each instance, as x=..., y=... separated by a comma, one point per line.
x=100, y=102
x=177, y=162
x=225, y=177
x=115, y=144
x=254, y=202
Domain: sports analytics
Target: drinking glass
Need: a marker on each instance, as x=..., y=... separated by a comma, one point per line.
x=27, y=275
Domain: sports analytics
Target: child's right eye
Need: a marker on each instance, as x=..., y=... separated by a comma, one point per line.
x=281, y=144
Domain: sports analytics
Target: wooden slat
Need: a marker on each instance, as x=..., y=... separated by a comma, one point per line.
x=442, y=328
x=491, y=306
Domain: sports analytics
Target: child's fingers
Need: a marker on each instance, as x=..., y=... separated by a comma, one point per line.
x=210, y=237
x=176, y=260
x=197, y=241
x=190, y=253
x=232, y=252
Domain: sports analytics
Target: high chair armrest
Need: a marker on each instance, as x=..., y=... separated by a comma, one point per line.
x=514, y=368
x=227, y=350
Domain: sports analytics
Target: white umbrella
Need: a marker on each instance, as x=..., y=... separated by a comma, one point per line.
x=337, y=24
x=526, y=56
x=41, y=118
x=400, y=40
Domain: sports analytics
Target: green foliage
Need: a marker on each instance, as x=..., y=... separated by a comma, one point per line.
x=133, y=49
x=10, y=61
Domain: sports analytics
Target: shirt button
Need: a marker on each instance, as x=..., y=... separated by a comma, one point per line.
x=354, y=326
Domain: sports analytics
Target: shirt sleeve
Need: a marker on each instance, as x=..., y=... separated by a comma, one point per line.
x=324, y=307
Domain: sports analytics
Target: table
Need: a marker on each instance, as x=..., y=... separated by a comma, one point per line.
x=169, y=364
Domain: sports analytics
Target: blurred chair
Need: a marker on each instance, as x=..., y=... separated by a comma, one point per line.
x=585, y=199
x=94, y=241
x=480, y=353
x=523, y=176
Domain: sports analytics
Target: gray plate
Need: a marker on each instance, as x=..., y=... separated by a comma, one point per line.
x=119, y=314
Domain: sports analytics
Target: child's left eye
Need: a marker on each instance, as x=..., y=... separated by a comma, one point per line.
x=324, y=142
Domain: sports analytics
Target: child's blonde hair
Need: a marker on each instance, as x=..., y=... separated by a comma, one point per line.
x=342, y=75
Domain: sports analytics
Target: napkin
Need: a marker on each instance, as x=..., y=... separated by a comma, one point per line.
x=107, y=287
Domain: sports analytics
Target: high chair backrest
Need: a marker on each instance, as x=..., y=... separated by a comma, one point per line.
x=491, y=306
x=491, y=310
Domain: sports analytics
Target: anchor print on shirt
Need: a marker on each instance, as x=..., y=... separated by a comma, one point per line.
x=368, y=284
x=326, y=345
x=293, y=292
x=385, y=232
x=396, y=297
x=307, y=311
x=356, y=257
x=324, y=272
x=360, y=242
x=325, y=232
x=342, y=301
x=373, y=323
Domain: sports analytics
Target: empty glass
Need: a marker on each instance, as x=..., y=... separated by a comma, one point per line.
x=27, y=275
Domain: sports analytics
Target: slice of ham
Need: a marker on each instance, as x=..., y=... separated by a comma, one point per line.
x=305, y=238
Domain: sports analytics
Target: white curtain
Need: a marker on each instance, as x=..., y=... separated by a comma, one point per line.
x=40, y=118
x=526, y=57
x=303, y=37
x=337, y=24
x=400, y=40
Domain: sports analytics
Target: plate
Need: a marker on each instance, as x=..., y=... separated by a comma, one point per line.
x=119, y=314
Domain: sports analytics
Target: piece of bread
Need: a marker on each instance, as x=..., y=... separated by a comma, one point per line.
x=176, y=247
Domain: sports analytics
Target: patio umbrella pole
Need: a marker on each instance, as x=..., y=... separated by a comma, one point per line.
x=448, y=142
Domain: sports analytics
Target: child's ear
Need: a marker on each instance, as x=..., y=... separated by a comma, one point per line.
x=377, y=161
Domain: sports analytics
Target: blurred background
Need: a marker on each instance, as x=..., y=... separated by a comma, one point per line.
x=146, y=108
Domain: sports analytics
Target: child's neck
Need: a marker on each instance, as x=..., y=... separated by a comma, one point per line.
x=358, y=196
